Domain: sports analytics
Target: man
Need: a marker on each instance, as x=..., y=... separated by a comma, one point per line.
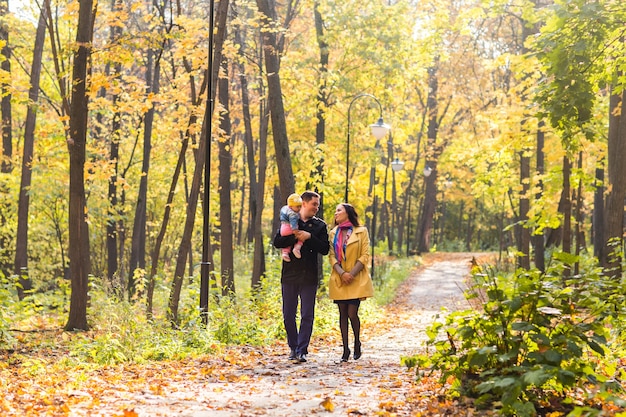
x=299, y=280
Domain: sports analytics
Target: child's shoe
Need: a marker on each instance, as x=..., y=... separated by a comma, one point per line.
x=296, y=252
x=286, y=257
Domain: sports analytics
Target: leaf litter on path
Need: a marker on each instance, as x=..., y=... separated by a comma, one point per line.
x=260, y=381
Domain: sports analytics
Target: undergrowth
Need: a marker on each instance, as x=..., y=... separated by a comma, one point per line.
x=538, y=342
x=122, y=333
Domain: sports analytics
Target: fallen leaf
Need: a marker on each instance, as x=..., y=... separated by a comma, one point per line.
x=328, y=404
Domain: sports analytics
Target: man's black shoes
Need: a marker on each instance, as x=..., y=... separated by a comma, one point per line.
x=297, y=357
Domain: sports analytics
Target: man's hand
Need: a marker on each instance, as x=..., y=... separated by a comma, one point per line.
x=301, y=235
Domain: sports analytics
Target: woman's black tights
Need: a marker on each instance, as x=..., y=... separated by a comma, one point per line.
x=351, y=312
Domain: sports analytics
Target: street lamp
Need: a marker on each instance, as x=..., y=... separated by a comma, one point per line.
x=206, y=244
x=397, y=165
x=379, y=130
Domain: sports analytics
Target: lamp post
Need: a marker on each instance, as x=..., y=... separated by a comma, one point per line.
x=379, y=130
x=206, y=244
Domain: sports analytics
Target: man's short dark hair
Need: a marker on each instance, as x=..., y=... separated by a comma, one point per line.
x=309, y=195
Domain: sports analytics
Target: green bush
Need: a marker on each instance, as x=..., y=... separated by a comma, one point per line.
x=537, y=337
x=6, y=298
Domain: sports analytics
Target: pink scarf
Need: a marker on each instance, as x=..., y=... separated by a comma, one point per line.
x=340, y=243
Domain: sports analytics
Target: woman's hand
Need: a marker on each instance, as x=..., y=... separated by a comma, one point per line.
x=347, y=278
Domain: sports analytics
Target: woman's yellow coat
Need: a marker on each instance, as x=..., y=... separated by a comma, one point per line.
x=357, y=249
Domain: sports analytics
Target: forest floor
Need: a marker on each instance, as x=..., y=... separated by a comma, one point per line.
x=260, y=381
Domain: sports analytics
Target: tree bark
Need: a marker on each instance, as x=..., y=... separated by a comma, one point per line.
x=138, y=244
x=523, y=233
x=430, y=193
x=272, y=52
x=21, y=245
x=6, y=165
x=317, y=176
x=322, y=104
x=538, y=238
x=614, y=212
x=80, y=265
x=257, y=183
x=598, y=212
x=205, y=135
x=5, y=105
x=567, y=211
x=225, y=158
x=114, y=224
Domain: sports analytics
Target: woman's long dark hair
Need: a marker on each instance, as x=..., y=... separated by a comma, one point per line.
x=352, y=215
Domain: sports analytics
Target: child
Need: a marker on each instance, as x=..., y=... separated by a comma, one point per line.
x=289, y=222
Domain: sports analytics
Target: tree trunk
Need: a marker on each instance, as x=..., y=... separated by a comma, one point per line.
x=523, y=233
x=567, y=211
x=406, y=207
x=317, y=177
x=614, y=213
x=5, y=106
x=255, y=229
x=225, y=158
x=430, y=194
x=114, y=224
x=580, y=234
x=21, y=247
x=80, y=265
x=278, y=203
x=205, y=135
x=272, y=52
x=598, y=212
x=156, y=251
x=138, y=244
x=7, y=142
x=322, y=104
x=537, y=238
x=258, y=264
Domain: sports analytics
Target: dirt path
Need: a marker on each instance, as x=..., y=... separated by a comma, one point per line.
x=271, y=385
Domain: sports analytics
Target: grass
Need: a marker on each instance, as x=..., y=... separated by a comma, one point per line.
x=121, y=332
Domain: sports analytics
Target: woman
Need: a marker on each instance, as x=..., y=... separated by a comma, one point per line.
x=350, y=281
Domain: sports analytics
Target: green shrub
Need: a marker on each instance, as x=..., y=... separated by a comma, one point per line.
x=537, y=337
x=394, y=273
x=6, y=299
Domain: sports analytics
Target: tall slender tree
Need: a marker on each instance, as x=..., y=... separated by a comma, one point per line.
x=138, y=245
x=205, y=135
x=614, y=213
x=5, y=105
x=7, y=135
x=21, y=247
x=273, y=48
x=430, y=195
x=257, y=182
x=79, y=253
x=225, y=161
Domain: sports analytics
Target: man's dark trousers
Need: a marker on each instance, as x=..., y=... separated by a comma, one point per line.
x=299, y=340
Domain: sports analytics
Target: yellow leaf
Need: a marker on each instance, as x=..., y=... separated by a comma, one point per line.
x=327, y=404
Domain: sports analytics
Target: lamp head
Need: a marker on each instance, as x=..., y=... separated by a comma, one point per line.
x=397, y=165
x=380, y=129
